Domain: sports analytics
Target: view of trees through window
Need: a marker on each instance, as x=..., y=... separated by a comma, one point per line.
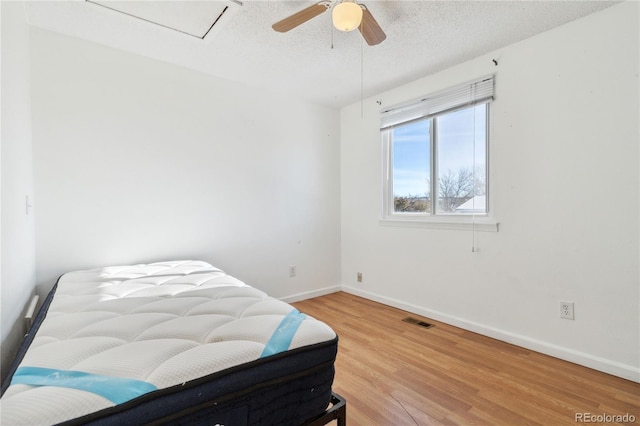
x=458, y=166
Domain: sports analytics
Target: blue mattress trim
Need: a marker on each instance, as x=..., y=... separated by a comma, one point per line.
x=115, y=389
x=216, y=391
x=281, y=338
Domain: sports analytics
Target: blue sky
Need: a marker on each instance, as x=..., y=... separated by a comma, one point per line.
x=411, y=154
x=455, y=149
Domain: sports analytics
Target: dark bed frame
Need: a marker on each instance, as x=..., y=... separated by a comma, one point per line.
x=337, y=411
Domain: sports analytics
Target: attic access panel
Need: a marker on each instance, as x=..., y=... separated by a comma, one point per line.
x=194, y=18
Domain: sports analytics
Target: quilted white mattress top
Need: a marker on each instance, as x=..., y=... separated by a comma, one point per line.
x=115, y=333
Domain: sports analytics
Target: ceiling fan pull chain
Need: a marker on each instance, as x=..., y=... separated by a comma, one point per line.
x=332, y=32
x=362, y=78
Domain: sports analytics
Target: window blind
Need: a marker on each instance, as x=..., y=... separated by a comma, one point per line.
x=463, y=95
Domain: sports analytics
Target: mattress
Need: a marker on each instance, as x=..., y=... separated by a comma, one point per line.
x=176, y=342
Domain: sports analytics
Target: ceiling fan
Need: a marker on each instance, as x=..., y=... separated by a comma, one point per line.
x=347, y=15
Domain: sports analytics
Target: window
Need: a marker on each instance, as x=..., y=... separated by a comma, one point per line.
x=436, y=154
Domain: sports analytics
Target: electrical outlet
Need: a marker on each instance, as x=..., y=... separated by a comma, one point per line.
x=292, y=271
x=566, y=310
x=359, y=277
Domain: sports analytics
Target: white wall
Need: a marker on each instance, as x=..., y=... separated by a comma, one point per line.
x=18, y=245
x=565, y=190
x=138, y=160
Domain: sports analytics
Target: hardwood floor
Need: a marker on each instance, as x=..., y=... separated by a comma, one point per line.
x=395, y=373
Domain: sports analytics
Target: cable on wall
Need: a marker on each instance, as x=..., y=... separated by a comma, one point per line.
x=472, y=88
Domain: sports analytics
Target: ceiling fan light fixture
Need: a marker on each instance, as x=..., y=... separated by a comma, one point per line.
x=346, y=16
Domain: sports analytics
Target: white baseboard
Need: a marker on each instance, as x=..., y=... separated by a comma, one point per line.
x=311, y=294
x=597, y=363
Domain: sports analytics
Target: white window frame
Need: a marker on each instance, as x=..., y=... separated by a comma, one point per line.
x=429, y=108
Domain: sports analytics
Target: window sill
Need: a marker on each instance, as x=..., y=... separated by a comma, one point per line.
x=458, y=223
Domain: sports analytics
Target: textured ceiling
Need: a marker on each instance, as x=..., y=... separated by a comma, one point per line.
x=423, y=37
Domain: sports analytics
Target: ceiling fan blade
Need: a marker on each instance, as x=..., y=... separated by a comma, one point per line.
x=369, y=28
x=301, y=17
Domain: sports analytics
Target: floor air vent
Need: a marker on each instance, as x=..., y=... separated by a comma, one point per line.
x=411, y=320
